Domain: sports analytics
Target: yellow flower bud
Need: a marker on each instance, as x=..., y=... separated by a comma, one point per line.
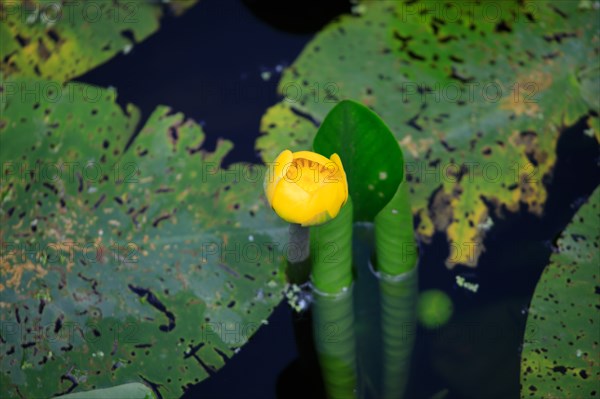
x=305, y=187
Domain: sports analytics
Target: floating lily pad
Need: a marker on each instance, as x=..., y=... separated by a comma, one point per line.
x=150, y=264
x=476, y=93
x=130, y=391
x=60, y=40
x=560, y=349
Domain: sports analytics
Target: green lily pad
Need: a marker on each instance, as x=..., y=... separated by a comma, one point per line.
x=151, y=264
x=369, y=153
x=475, y=93
x=130, y=391
x=58, y=40
x=560, y=349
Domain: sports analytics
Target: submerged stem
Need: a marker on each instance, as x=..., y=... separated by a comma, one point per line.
x=396, y=264
x=333, y=313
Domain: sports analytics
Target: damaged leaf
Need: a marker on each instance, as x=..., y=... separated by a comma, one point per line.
x=150, y=264
x=560, y=348
x=477, y=96
x=60, y=40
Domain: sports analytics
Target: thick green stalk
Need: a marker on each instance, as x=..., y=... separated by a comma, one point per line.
x=394, y=235
x=333, y=312
x=398, y=324
x=396, y=263
x=331, y=252
x=335, y=342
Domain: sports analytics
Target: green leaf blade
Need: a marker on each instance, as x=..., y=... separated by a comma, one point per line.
x=371, y=156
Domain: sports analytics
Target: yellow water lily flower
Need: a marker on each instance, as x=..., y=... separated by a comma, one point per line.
x=305, y=187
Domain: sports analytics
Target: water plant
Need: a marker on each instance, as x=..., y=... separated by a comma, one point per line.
x=304, y=190
x=133, y=263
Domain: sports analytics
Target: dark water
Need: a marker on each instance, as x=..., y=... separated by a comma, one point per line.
x=208, y=65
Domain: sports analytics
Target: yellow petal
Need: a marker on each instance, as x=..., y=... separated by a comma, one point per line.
x=292, y=203
x=328, y=199
x=317, y=219
x=312, y=192
x=344, y=189
x=336, y=158
x=275, y=173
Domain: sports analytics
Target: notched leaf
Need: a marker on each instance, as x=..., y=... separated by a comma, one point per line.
x=457, y=94
x=127, y=256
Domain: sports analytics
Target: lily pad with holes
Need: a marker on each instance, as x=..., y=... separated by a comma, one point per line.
x=476, y=94
x=560, y=348
x=60, y=40
x=130, y=391
x=151, y=264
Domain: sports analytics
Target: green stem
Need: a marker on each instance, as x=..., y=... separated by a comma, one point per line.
x=394, y=235
x=298, y=266
x=398, y=324
x=335, y=342
x=396, y=263
x=333, y=312
x=298, y=250
x=331, y=252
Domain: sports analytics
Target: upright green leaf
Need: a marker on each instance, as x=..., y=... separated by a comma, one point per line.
x=370, y=155
x=560, y=349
